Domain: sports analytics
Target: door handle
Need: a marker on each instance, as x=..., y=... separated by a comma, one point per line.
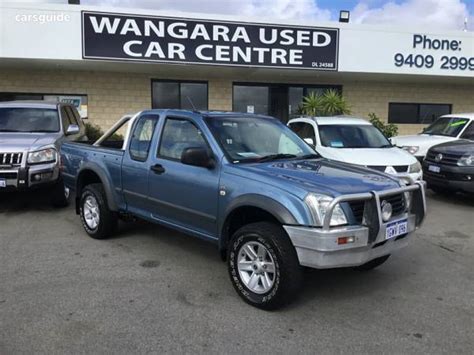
x=158, y=169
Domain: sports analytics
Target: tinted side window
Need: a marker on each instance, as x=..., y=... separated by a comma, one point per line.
x=469, y=132
x=179, y=134
x=303, y=130
x=141, y=138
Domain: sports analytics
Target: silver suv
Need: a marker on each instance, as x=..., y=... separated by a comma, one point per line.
x=30, y=136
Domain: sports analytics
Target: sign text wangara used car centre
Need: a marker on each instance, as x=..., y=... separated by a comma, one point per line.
x=125, y=37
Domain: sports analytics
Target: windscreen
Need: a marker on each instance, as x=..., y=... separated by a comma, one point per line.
x=14, y=119
x=255, y=138
x=446, y=126
x=352, y=136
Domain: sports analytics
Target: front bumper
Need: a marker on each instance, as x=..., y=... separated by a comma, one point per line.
x=318, y=247
x=24, y=177
x=456, y=178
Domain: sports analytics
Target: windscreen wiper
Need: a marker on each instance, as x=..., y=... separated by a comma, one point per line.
x=10, y=130
x=309, y=156
x=275, y=157
x=386, y=146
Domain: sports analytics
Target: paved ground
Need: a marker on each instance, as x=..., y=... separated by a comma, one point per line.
x=153, y=290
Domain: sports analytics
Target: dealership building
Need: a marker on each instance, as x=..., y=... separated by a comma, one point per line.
x=110, y=62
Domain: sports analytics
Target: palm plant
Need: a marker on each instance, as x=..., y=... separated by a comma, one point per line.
x=311, y=104
x=334, y=104
x=330, y=103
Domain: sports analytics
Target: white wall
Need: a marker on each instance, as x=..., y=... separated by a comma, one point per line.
x=54, y=32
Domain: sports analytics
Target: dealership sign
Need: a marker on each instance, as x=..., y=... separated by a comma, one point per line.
x=172, y=40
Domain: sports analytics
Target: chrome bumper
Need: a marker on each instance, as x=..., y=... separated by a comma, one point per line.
x=318, y=247
x=22, y=176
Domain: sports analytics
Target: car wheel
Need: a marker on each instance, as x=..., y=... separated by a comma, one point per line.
x=98, y=220
x=263, y=265
x=60, y=195
x=372, y=264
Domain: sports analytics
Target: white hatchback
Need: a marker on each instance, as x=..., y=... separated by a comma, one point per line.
x=356, y=141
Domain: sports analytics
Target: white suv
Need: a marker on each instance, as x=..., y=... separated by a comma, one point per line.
x=445, y=129
x=356, y=141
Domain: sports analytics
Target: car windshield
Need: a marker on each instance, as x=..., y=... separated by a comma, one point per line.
x=352, y=136
x=16, y=119
x=446, y=126
x=250, y=139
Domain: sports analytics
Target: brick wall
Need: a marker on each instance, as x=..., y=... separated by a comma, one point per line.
x=366, y=97
x=113, y=94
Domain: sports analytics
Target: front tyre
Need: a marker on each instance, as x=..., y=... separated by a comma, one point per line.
x=98, y=220
x=263, y=265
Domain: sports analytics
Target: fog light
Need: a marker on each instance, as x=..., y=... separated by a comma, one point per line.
x=345, y=240
x=386, y=210
x=37, y=177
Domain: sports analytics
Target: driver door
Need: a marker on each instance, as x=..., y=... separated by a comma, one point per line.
x=183, y=195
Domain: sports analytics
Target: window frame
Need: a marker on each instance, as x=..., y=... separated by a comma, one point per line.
x=179, y=82
x=132, y=132
x=305, y=87
x=160, y=142
x=418, y=109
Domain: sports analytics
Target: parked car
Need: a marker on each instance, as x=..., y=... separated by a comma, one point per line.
x=356, y=141
x=447, y=128
x=250, y=185
x=30, y=136
x=450, y=166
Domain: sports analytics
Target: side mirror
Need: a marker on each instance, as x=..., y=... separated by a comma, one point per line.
x=197, y=156
x=310, y=141
x=72, y=129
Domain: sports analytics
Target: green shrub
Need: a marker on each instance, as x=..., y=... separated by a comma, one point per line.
x=389, y=129
x=331, y=103
x=94, y=132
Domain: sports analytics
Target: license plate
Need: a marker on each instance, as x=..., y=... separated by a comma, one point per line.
x=434, y=168
x=394, y=229
x=3, y=183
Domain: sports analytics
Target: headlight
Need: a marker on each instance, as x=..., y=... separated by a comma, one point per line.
x=412, y=149
x=318, y=205
x=42, y=156
x=466, y=160
x=415, y=168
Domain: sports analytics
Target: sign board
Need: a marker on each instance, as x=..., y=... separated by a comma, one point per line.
x=109, y=36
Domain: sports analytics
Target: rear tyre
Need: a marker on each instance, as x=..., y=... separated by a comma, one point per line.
x=98, y=220
x=372, y=264
x=263, y=266
x=60, y=195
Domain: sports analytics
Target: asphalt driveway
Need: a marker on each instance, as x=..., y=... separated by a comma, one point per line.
x=151, y=289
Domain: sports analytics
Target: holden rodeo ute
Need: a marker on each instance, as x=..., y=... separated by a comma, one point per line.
x=250, y=185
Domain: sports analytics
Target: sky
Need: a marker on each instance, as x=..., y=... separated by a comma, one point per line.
x=438, y=14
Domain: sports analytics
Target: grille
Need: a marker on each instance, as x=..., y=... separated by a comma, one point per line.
x=10, y=158
x=357, y=208
x=397, y=202
x=8, y=175
x=448, y=159
x=398, y=168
